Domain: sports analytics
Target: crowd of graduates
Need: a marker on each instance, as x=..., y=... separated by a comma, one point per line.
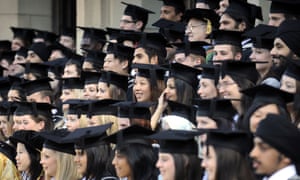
x=213, y=95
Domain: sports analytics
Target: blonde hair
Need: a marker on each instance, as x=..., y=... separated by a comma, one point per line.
x=104, y=119
x=116, y=92
x=66, y=168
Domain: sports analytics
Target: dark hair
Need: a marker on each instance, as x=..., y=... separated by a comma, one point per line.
x=78, y=65
x=49, y=124
x=99, y=160
x=116, y=92
x=236, y=49
x=232, y=165
x=223, y=123
x=187, y=167
x=141, y=122
x=35, y=168
x=160, y=53
x=185, y=92
x=141, y=159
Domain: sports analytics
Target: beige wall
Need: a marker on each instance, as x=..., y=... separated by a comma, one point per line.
x=24, y=13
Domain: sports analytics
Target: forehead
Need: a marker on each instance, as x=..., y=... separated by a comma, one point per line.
x=222, y=47
x=279, y=41
x=139, y=50
x=126, y=17
x=167, y=8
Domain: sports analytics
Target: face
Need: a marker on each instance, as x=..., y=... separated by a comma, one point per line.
x=90, y=91
x=260, y=114
x=49, y=161
x=210, y=162
x=266, y=159
x=196, y=30
x=121, y=165
x=123, y=123
x=80, y=160
x=275, y=19
x=288, y=84
x=68, y=94
x=113, y=64
x=228, y=89
x=72, y=122
x=127, y=23
x=5, y=126
x=17, y=125
x=261, y=55
x=70, y=71
x=204, y=122
x=38, y=97
x=33, y=57
x=13, y=95
x=228, y=23
x=15, y=68
x=168, y=13
x=103, y=91
x=56, y=54
x=142, y=89
x=180, y=58
x=67, y=41
x=224, y=52
x=29, y=124
x=280, y=49
x=170, y=91
x=88, y=66
x=207, y=89
x=16, y=44
x=22, y=158
x=140, y=56
x=166, y=166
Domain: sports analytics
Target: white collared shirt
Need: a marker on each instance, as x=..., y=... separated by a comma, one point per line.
x=283, y=174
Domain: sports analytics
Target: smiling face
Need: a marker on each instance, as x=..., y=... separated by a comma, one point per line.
x=121, y=165
x=228, y=89
x=170, y=91
x=90, y=91
x=22, y=158
x=103, y=91
x=196, y=30
x=210, y=162
x=49, y=161
x=72, y=122
x=142, y=89
x=166, y=166
x=80, y=160
x=288, y=84
x=207, y=88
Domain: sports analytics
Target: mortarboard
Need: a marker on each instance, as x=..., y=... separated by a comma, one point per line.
x=74, y=106
x=203, y=15
x=8, y=151
x=152, y=40
x=76, y=59
x=122, y=35
x=136, y=12
x=177, y=4
x=39, y=70
x=57, y=46
x=289, y=32
x=15, y=82
x=210, y=71
x=281, y=134
x=134, y=110
x=5, y=108
x=134, y=134
x=22, y=52
x=177, y=141
x=120, y=50
x=55, y=140
x=293, y=69
x=93, y=33
x=238, y=141
x=90, y=77
x=227, y=37
x=73, y=83
x=185, y=73
x=100, y=107
x=46, y=35
x=244, y=10
x=5, y=45
x=290, y=7
x=34, y=86
x=243, y=69
x=182, y=110
x=95, y=57
x=213, y=4
x=29, y=138
x=196, y=47
x=88, y=137
x=262, y=36
x=57, y=66
x=70, y=32
x=33, y=108
x=41, y=50
x=9, y=56
x=23, y=33
x=116, y=79
x=150, y=71
x=171, y=30
x=268, y=95
x=215, y=108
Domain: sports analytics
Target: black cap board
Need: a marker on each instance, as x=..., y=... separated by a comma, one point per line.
x=152, y=40
x=100, y=107
x=46, y=35
x=93, y=33
x=293, y=69
x=90, y=77
x=195, y=47
x=290, y=7
x=116, y=79
x=23, y=33
x=29, y=138
x=37, y=85
x=75, y=106
x=207, y=15
x=171, y=30
x=120, y=50
x=177, y=4
x=134, y=110
x=33, y=108
x=41, y=50
x=227, y=37
x=210, y=71
x=182, y=110
x=73, y=83
x=137, y=12
x=39, y=70
x=95, y=57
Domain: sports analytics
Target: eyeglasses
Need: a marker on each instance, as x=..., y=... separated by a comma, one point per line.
x=126, y=21
x=190, y=27
x=225, y=84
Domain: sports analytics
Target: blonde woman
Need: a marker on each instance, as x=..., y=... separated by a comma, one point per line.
x=72, y=89
x=75, y=118
x=57, y=156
